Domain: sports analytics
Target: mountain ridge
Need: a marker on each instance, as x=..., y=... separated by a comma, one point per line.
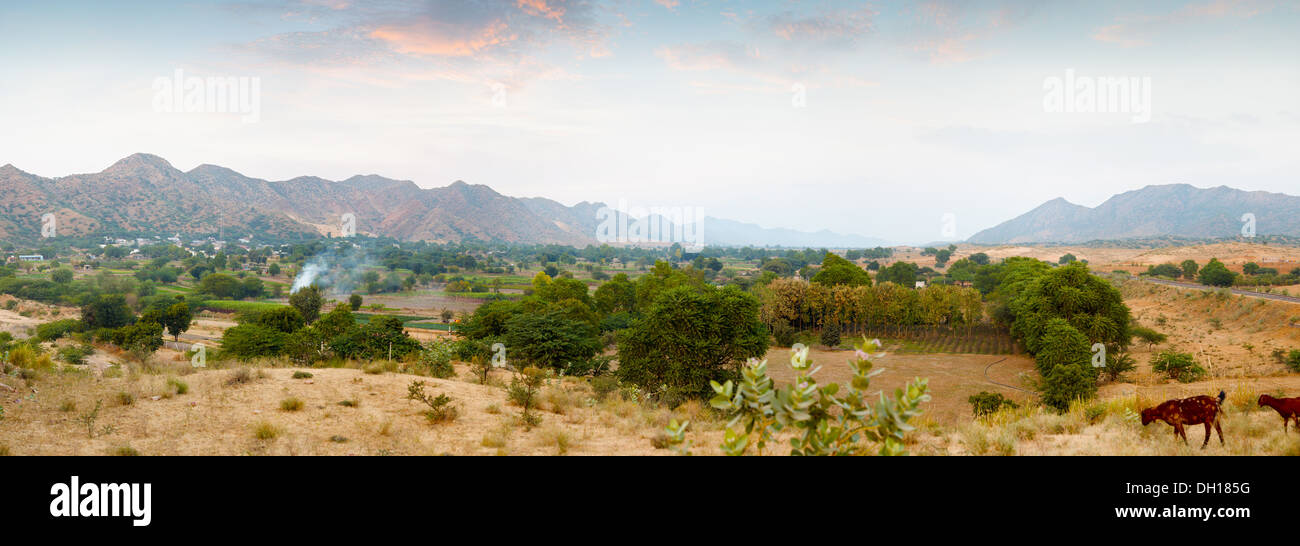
x=1179, y=210
x=145, y=192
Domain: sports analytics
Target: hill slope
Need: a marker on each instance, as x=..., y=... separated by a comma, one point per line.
x=1167, y=210
x=145, y=193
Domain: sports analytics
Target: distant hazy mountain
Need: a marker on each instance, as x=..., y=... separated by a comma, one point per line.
x=145, y=193
x=1178, y=210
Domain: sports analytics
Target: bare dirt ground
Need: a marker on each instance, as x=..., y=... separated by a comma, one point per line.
x=1234, y=255
x=216, y=418
x=1231, y=336
x=952, y=377
x=27, y=314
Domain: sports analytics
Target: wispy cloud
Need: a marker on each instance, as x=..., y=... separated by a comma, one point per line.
x=1139, y=30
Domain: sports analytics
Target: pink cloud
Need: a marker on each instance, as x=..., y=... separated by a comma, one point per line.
x=436, y=38
x=541, y=8
x=1136, y=30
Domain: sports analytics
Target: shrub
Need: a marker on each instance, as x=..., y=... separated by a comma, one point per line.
x=1065, y=384
x=603, y=385
x=1293, y=360
x=125, y=398
x=986, y=403
x=482, y=368
x=1117, y=364
x=759, y=410
x=302, y=375
x=440, y=408
x=266, y=431
x=436, y=359
x=180, y=386
x=240, y=376
x=783, y=335
x=523, y=392
x=292, y=403
x=75, y=354
x=831, y=335
x=1180, y=366
x=51, y=331
x=126, y=451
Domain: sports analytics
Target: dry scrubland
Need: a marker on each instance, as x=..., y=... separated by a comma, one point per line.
x=168, y=408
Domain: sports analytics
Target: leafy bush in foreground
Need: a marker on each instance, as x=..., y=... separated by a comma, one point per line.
x=760, y=410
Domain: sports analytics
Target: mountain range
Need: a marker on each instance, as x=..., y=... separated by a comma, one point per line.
x=145, y=193
x=1179, y=210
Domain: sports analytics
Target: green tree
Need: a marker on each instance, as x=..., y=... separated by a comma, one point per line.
x=1190, y=269
x=355, y=301
x=220, y=285
x=177, y=319
x=253, y=340
x=1216, y=274
x=838, y=271
x=550, y=340
x=283, y=319
x=689, y=337
x=900, y=273
x=106, y=311
x=61, y=275
x=307, y=301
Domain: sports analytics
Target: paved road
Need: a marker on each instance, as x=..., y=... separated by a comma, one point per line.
x=1237, y=291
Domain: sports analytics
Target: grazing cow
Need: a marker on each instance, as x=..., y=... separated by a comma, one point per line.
x=1288, y=408
x=1189, y=411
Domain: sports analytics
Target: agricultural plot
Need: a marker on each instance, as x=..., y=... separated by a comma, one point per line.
x=981, y=339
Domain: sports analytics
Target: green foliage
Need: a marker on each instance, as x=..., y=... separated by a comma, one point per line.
x=1180, y=366
x=141, y=338
x=247, y=341
x=51, y=331
x=783, y=334
x=1088, y=303
x=1147, y=335
x=900, y=273
x=986, y=403
x=177, y=319
x=307, y=301
x=61, y=275
x=550, y=340
x=689, y=337
x=106, y=311
x=220, y=285
x=354, y=301
x=440, y=409
x=379, y=338
x=1216, y=274
x=437, y=356
x=825, y=420
x=838, y=271
x=523, y=391
x=282, y=319
x=75, y=354
x=1293, y=360
x=831, y=335
x=1118, y=363
x=1065, y=384
x=1064, y=362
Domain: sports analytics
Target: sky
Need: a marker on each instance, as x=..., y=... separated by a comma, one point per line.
x=909, y=121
